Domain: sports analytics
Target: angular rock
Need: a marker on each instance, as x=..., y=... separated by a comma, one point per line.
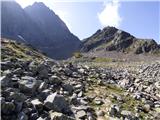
x=19, y=97
x=37, y=104
x=126, y=114
x=34, y=116
x=5, y=81
x=114, y=111
x=55, y=80
x=57, y=103
x=22, y=116
x=68, y=87
x=81, y=114
x=42, y=86
x=42, y=71
x=28, y=84
x=7, y=107
x=43, y=95
x=98, y=101
x=59, y=116
x=40, y=118
x=18, y=106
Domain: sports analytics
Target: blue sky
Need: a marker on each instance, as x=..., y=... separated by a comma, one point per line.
x=140, y=18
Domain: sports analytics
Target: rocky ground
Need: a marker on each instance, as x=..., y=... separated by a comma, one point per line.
x=45, y=89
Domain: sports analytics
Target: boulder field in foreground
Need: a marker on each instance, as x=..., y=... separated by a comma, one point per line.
x=78, y=92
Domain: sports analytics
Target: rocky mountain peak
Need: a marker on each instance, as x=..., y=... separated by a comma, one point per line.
x=40, y=4
x=113, y=39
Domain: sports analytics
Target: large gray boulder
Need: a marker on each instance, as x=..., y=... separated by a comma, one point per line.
x=19, y=97
x=42, y=70
x=5, y=81
x=28, y=84
x=57, y=103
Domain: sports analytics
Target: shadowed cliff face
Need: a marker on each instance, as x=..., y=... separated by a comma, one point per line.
x=113, y=39
x=39, y=26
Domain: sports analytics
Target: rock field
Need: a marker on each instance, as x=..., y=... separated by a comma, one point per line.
x=56, y=91
x=45, y=89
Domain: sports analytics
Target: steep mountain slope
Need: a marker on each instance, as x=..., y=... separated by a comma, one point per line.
x=39, y=26
x=113, y=39
x=54, y=28
x=17, y=25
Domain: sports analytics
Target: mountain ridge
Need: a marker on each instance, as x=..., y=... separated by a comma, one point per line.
x=113, y=39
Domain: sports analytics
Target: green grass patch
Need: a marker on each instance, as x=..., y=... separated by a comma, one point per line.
x=100, y=59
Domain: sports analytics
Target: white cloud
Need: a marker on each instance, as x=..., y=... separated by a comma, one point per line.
x=110, y=15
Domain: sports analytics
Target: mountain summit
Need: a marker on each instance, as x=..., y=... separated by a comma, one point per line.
x=40, y=27
x=113, y=39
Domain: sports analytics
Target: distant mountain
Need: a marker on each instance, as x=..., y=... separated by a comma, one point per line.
x=39, y=26
x=113, y=39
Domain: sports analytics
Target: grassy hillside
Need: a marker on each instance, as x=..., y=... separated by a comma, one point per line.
x=11, y=49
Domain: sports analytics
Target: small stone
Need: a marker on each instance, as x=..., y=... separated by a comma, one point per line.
x=83, y=101
x=22, y=116
x=100, y=113
x=98, y=101
x=81, y=70
x=34, y=116
x=42, y=86
x=80, y=94
x=59, y=116
x=78, y=86
x=68, y=87
x=55, y=80
x=37, y=104
x=81, y=114
x=146, y=108
x=40, y=118
x=73, y=99
x=114, y=111
x=43, y=95
x=126, y=113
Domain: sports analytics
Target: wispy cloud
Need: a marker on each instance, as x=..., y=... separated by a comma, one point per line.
x=110, y=16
